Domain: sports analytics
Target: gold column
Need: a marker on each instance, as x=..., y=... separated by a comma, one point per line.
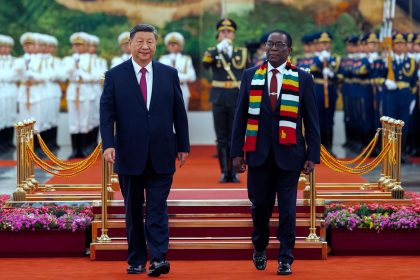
x=115, y=184
x=388, y=182
x=384, y=124
x=31, y=163
x=312, y=237
x=19, y=194
x=109, y=173
x=104, y=238
x=397, y=190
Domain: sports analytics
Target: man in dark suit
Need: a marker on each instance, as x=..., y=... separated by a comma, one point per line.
x=273, y=101
x=143, y=99
x=227, y=64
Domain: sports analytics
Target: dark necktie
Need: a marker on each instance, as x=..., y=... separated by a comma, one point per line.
x=273, y=89
x=143, y=84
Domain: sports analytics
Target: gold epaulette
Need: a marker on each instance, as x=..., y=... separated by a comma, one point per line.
x=207, y=58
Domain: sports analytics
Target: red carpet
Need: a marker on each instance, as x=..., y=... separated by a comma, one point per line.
x=202, y=171
x=383, y=268
x=7, y=163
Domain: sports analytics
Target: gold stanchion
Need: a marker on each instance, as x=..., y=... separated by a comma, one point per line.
x=110, y=190
x=34, y=182
x=302, y=181
x=398, y=191
x=27, y=178
x=388, y=182
x=104, y=238
x=312, y=237
x=115, y=184
x=19, y=194
x=384, y=123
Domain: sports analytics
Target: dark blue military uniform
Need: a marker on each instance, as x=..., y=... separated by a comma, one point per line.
x=227, y=72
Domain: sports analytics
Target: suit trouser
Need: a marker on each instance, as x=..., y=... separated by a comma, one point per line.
x=155, y=230
x=264, y=182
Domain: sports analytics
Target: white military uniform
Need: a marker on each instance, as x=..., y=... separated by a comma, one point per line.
x=32, y=77
x=8, y=86
x=182, y=63
x=98, y=68
x=123, y=38
x=77, y=68
x=56, y=75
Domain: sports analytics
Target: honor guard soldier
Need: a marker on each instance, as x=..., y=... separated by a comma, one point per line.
x=29, y=68
x=377, y=73
x=304, y=62
x=123, y=41
x=98, y=67
x=416, y=113
x=54, y=66
x=79, y=93
x=227, y=64
x=346, y=75
x=324, y=70
x=8, y=93
x=400, y=97
x=174, y=43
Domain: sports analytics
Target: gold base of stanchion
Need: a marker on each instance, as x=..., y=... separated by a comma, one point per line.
x=104, y=238
x=397, y=192
x=19, y=195
x=312, y=237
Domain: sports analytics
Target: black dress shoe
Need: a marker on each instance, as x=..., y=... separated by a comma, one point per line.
x=159, y=267
x=259, y=259
x=136, y=269
x=284, y=268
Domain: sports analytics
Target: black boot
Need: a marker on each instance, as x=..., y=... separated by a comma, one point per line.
x=223, y=161
x=74, y=145
x=9, y=138
x=54, y=132
x=81, y=151
x=329, y=140
x=3, y=143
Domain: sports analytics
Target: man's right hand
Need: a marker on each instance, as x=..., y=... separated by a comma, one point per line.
x=239, y=164
x=109, y=155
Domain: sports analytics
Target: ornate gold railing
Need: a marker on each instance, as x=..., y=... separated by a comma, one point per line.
x=27, y=158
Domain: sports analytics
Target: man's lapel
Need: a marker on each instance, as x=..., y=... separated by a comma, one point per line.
x=132, y=84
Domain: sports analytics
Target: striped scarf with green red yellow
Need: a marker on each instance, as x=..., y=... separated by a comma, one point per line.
x=289, y=107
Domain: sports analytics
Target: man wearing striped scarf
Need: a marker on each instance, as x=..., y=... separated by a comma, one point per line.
x=276, y=100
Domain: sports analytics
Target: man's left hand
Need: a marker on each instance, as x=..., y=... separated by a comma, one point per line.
x=182, y=157
x=308, y=167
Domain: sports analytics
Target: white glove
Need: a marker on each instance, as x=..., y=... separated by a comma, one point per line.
x=325, y=55
x=418, y=74
x=223, y=45
x=390, y=84
x=326, y=72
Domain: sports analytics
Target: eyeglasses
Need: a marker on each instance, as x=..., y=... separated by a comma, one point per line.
x=279, y=45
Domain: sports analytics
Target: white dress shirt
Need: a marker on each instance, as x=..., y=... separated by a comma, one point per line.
x=279, y=76
x=149, y=79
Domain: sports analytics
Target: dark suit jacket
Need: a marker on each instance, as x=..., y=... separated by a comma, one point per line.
x=288, y=157
x=140, y=131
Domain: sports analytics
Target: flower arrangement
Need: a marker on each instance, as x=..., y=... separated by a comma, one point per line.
x=375, y=216
x=3, y=199
x=45, y=218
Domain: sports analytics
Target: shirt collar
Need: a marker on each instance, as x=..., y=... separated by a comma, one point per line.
x=280, y=68
x=138, y=67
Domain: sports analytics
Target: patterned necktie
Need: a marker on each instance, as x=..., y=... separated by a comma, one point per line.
x=273, y=89
x=143, y=84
